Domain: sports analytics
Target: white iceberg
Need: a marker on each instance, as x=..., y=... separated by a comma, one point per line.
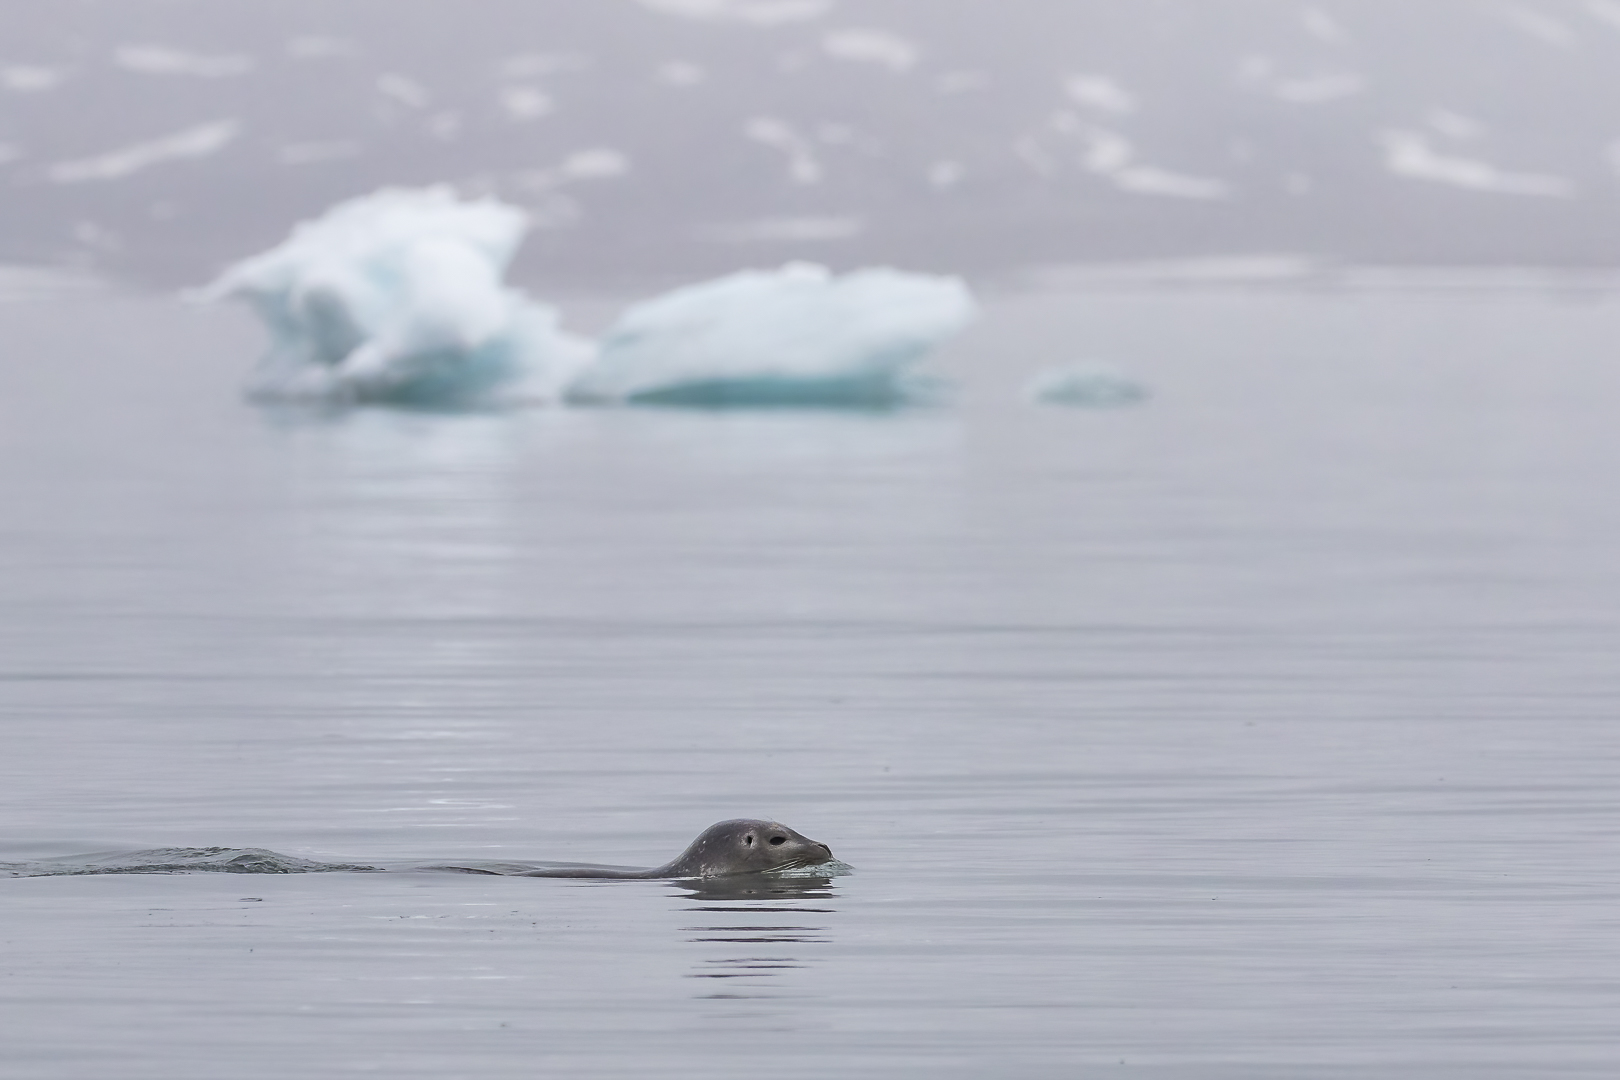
x=1085, y=385
x=794, y=336
x=399, y=297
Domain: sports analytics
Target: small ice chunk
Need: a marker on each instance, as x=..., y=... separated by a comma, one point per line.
x=872, y=47
x=30, y=78
x=160, y=60
x=1110, y=154
x=597, y=163
x=961, y=82
x=1101, y=93
x=757, y=12
x=798, y=230
x=1147, y=180
x=445, y=124
x=1409, y=154
x=680, y=73
x=526, y=102
x=398, y=297
x=406, y=91
x=1457, y=126
x=944, y=174
x=1322, y=26
x=794, y=336
x=780, y=135
x=1086, y=385
x=194, y=142
x=1263, y=75
x=540, y=65
x=316, y=47
x=1318, y=89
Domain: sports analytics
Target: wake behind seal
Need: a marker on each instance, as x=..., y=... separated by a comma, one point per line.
x=737, y=847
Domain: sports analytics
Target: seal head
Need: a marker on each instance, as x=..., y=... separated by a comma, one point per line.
x=744, y=846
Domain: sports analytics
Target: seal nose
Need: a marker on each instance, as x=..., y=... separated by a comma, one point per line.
x=825, y=850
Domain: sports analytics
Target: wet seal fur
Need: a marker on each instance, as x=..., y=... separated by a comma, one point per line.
x=739, y=846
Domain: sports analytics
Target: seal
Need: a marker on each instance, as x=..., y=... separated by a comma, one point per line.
x=739, y=846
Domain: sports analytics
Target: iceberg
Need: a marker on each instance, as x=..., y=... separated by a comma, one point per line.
x=398, y=297
x=1086, y=386
x=797, y=336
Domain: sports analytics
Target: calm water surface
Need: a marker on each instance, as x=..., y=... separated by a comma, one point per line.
x=1267, y=729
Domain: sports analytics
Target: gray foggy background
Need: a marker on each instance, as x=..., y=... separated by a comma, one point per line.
x=158, y=139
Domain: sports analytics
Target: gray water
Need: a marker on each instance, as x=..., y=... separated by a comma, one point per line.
x=1264, y=729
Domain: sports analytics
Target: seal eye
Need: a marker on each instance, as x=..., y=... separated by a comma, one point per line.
x=778, y=840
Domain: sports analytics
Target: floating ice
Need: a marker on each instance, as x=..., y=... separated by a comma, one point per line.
x=158, y=60
x=1456, y=125
x=398, y=297
x=526, y=102
x=30, y=78
x=1087, y=386
x=797, y=230
x=315, y=47
x=758, y=12
x=1101, y=93
x=1111, y=155
x=407, y=92
x=193, y=142
x=681, y=74
x=1408, y=153
x=794, y=336
x=780, y=135
x=871, y=47
x=1262, y=74
x=1322, y=26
